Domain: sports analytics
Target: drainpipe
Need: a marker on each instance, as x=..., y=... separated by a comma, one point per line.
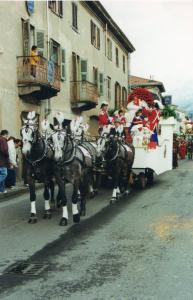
x=48, y=109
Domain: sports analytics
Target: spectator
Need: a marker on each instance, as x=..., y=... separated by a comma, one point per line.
x=34, y=60
x=4, y=159
x=13, y=144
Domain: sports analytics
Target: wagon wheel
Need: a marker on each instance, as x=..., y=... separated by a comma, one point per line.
x=150, y=176
x=141, y=182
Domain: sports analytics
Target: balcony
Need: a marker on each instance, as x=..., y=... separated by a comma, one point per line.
x=38, y=82
x=84, y=95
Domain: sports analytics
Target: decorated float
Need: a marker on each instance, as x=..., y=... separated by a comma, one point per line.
x=151, y=132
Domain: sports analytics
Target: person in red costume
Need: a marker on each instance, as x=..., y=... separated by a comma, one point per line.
x=120, y=116
x=103, y=117
x=153, y=115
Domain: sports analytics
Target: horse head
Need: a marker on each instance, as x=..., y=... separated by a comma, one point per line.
x=58, y=142
x=29, y=132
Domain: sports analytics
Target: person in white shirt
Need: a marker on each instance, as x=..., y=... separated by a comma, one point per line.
x=13, y=144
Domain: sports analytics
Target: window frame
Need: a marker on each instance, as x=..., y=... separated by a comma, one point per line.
x=74, y=13
x=109, y=49
x=108, y=88
x=56, y=6
x=117, y=56
x=101, y=84
x=95, y=35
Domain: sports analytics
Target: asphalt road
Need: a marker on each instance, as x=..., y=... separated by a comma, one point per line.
x=137, y=249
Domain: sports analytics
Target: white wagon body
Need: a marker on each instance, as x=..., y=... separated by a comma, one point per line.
x=160, y=159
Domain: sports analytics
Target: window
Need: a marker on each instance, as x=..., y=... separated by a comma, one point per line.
x=117, y=56
x=101, y=84
x=124, y=63
x=54, y=52
x=74, y=16
x=95, y=35
x=56, y=7
x=83, y=66
x=109, y=49
x=63, y=64
x=108, y=88
x=95, y=76
x=124, y=97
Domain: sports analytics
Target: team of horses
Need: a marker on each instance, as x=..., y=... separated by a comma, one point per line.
x=60, y=154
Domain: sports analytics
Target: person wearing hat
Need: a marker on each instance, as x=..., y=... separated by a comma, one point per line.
x=103, y=117
x=117, y=129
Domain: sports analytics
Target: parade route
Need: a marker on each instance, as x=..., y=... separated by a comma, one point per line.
x=139, y=248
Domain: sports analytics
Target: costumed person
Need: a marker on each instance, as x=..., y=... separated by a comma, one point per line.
x=182, y=149
x=117, y=129
x=121, y=117
x=138, y=119
x=103, y=116
x=133, y=107
x=153, y=115
x=175, y=152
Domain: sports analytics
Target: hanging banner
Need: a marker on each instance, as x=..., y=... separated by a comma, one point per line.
x=50, y=71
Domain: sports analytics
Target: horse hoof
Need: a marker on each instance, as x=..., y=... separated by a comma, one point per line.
x=63, y=222
x=83, y=213
x=113, y=200
x=92, y=195
x=76, y=218
x=47, y=214
x=32, y=220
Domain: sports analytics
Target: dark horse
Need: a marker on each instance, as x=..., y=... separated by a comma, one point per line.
x=73, y=165
x=39, y=165
x=118, y=159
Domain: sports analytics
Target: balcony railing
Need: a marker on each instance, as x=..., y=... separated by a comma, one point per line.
x=39, y=74
x=84, y=91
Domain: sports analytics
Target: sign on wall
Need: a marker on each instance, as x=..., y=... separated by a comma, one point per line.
x=167, y=100
x=30, y=6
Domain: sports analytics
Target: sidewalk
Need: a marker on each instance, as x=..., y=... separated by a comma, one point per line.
x=19, y=189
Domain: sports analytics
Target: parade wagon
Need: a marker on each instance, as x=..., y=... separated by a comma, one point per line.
x=150, y=160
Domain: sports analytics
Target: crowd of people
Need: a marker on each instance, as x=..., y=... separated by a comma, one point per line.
x=8, y=160
x=182, y=148
x=139, y=116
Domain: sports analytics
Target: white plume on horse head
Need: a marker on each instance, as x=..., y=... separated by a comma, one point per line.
x=60, y=117
x=45, y=125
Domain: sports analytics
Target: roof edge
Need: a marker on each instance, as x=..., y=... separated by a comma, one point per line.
x=102, y=13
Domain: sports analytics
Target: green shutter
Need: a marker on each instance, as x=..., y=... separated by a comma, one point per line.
x=40, y=42
x=101, y=84
x=63, y=64
x=84, y=70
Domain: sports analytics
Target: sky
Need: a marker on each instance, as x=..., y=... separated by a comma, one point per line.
x=162, y=34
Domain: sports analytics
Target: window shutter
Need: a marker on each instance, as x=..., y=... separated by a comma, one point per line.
x=26, y=37
x=84, y=70
x=91, y=30
x=98, y=38
x=63, y=64
x=101, y=83
x=60, y=8
x=40, y=42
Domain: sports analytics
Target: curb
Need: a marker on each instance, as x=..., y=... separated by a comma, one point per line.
x=11, y=194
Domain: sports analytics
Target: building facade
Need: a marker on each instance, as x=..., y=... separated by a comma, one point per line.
x=83, y=59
